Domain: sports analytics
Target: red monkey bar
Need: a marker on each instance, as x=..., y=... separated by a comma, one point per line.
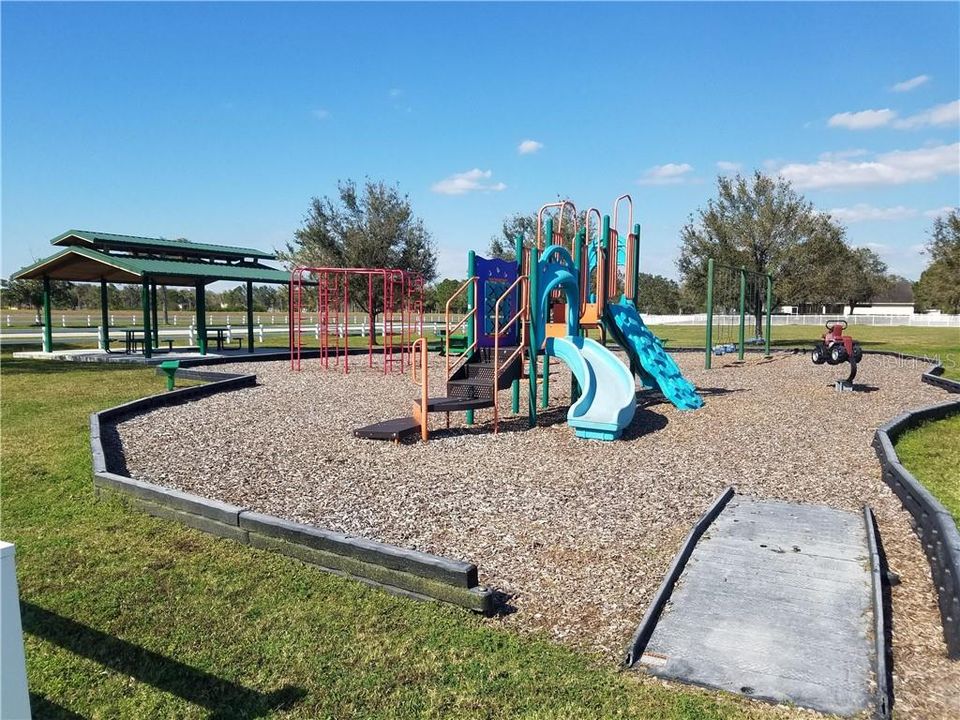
x=401, y=305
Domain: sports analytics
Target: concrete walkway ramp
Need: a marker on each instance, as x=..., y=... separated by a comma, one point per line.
x=776, y=602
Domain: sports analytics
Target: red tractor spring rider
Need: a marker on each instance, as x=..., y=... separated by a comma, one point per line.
x=836, y=348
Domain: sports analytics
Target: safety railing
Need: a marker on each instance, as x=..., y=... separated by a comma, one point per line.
x=471, y=314
x=421, y=344
x=523, y=316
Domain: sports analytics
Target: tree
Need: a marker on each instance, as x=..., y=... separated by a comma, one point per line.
x=437, y=295
x=864, y=277
x=502, y=246
x=19, y=293
x=658, y=295
x=813, y=271
x=370, y=227
x=755, y=222
x=939, y=285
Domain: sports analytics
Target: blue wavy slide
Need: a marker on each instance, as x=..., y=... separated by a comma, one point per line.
x=608, y=395
x=656, y=368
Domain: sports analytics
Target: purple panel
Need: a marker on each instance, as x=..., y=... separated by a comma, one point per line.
x=493, y=277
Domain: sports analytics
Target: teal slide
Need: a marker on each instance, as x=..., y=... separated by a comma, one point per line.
x=656, y=368
x=608, y=395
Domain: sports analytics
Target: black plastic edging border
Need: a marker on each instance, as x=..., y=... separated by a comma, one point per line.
x=394, y=569
x=645, y=630
x=932, y=523
x=883, y=666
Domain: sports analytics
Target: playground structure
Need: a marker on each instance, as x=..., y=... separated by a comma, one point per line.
x=836, y=348
x=397, y=293
x=733, y=293
x=544, y=303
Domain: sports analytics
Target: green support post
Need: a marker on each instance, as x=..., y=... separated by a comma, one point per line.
x=104, y=316
x=709, y=312
x=515, y=385
x=154, y=318
x=534, y=323
x=201, y=317
x=578, y=266
x=145, y=307
x=250, y=316
x=545, y=392
x=47, y=326
x=471, y=323
x=604, y=269
x=766, y=335
x=743, y=309
x=635, y=266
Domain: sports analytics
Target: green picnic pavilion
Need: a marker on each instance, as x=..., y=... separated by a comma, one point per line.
x=108, y=258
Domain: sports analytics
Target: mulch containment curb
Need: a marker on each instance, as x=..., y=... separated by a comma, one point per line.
x=933, y=524
x=642, y=636
x=397, y=570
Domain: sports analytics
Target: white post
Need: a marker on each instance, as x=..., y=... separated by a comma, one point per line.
x=174, y=320
x=63, y=321
x=261, y=333
x=112, y=320
x=14, y=698
x=8, y=321
x=133, y=319
x=229, y=332
x=100, y=337
x=88, y=321
x=191, y=334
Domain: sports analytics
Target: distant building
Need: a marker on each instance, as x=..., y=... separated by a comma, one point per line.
x=898, y=300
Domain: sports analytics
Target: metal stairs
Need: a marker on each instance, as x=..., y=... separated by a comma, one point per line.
x=470, y=387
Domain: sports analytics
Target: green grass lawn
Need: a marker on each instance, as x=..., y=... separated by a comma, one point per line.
x=941, y=342
x=932, y=453
x=129, y=616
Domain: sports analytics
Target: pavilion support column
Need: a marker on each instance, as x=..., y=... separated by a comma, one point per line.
x=201, y=317
x=145, y=306
x=104, y=316
x=250, y=316
x=47, y=324
x=153, y=315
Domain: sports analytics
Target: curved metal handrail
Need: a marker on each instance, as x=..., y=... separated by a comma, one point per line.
x=522, y=314
x=471, y=312
x=562, y=204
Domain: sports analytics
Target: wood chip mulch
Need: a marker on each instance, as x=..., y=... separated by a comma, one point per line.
x=577, y=533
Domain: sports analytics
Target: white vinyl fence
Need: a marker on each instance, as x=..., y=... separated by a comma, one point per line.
x=915, y=320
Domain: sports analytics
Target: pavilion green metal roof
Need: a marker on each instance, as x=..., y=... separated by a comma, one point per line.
x=162, y=246
x=81, y=264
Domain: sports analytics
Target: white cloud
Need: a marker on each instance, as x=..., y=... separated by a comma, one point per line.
x=395, y=92
x=863, y=120
x=908, y=85
x=892, y=168
x=727, y=166
x=528, y=147
x=469, y=181
x=842, y=154
x=320, y=113
x=937, y=212
x=878, y=248
x=863, y=212
x=945, y=114
x=669, y=174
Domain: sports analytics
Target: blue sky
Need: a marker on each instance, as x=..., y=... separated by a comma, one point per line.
x=219, y=122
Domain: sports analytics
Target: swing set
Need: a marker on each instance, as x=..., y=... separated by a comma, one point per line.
x=733, y=293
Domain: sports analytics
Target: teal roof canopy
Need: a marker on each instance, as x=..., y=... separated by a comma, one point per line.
x=133, y=244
